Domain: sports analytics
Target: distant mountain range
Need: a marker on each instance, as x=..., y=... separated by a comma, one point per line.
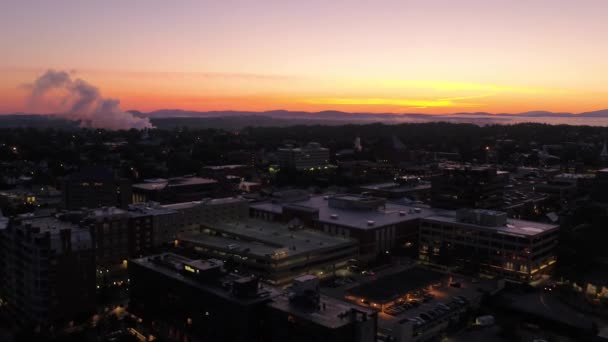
x=171, y=118
x=333, y=115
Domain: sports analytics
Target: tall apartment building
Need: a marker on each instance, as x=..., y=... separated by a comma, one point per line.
x=95, y=187
x=468, y=187
x=111, y=235
x=487, y=242
x=311, y=156
x=47, y=277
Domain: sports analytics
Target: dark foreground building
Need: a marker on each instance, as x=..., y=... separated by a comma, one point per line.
x=304, y=315
x=468, y=187
x=48, y=271
x=195, y=300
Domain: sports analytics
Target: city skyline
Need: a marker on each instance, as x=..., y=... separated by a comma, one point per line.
x=432, y=57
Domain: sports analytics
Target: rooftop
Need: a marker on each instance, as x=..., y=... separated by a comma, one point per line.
x=206, y=201
x=104, y=212
x=390, y=214
x=513, y=226
x=393, y=286
x=172, y=264
x=225, y=167
x=265, y=239
x=396, y=187
x=81, y=237
x=162, y=183
x=149, y=208
x=335, y=314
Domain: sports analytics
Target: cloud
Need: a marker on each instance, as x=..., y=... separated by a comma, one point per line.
x=78, y=100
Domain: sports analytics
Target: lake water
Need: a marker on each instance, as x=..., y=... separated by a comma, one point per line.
x=507, y=120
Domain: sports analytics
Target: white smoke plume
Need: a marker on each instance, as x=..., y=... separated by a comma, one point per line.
x=78, y=100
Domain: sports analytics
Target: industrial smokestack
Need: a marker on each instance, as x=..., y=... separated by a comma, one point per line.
x=80, y=101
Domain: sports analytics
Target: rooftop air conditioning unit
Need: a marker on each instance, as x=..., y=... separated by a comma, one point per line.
x=371, y=223
x=334, y=216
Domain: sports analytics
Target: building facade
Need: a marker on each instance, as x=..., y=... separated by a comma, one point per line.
x=311, y=156
x=487, y=242
x=48, y=271
x=95, y=187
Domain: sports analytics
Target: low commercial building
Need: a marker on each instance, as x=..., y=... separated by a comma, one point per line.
x=384, y=292
x=196, y=300
x=379, y=226
x=274, y=251
x=305, y=315
x=190, y=215
x=485, y=241
x=173, y=190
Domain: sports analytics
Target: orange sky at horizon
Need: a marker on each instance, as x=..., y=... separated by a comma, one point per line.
x=149, y=91
x=386, y=56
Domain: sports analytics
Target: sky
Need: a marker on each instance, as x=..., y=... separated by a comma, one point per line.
x=402, y=56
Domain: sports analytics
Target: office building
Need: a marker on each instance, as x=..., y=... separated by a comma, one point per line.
x=276, y=252
x=487, y=242
x=310, y=157
x=47, y=271
x=95, y=187
x=196, y=300
x=468, y=187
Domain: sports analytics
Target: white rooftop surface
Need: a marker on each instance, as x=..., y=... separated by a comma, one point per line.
x=389, y=215
x=214, y=201
x=513, y=227
x=161, y=183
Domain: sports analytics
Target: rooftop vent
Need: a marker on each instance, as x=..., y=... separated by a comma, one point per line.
x=371, y=223
x=402, y=213
x=334, y=216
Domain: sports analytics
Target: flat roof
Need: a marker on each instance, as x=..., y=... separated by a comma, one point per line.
x=396, y=285
x=396, y=187
x=513, y=226
x=107, y=212
x=174, y=271
x=263, y=238
x=332, y=316
x=208, y=201
x=392, y=213
x=80, y=237
x=225, y=167
x=161, y=183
